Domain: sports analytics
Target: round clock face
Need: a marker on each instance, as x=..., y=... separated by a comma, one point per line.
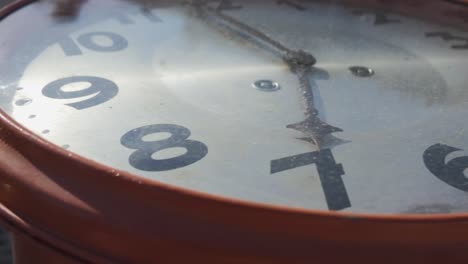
x=308, y=104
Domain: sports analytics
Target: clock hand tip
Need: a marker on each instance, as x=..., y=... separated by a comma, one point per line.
x=314, y=124
x=315, y=129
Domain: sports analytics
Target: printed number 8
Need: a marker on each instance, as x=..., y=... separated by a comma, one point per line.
x=142, y=160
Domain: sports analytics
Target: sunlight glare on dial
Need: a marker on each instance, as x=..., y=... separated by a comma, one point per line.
x=218, y=73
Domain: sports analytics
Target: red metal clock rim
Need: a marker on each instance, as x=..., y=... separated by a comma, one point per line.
x=8, y=123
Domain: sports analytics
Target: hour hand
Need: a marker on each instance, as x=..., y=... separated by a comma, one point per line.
x=301, y=63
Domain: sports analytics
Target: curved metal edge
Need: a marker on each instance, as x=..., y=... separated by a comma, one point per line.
x=32, y=138
x=458, y=2
x=16, y=225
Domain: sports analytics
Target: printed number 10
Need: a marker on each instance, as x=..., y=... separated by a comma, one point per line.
x=88, y=41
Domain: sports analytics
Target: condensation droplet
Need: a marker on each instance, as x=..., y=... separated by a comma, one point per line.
x=266, y=85
x=23, y=102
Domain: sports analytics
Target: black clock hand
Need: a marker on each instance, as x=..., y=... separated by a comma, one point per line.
x=245, y=31
x=312, y=126
x=300, y=62
x=249, y=30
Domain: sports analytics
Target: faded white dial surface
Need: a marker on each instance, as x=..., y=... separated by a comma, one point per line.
x=200, y=95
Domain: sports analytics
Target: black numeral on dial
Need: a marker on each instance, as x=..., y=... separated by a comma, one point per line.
x=380, y=18
x=461, y=42
x=125, y=20
x=103, y=89
x=142, y=158
x=88, y=41
x=226, y=5
x=292, y=4
x=329, y=172
x=451, y=172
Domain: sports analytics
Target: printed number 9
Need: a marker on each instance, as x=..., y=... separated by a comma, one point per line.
x=103, y=88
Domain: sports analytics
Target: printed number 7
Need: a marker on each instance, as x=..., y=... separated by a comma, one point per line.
x=329, y=171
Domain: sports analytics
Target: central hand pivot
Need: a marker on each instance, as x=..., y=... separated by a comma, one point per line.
x=299, y=60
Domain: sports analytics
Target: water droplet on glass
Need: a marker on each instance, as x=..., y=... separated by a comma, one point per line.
x=361, y=71
x=266, y=85
x=23, y=102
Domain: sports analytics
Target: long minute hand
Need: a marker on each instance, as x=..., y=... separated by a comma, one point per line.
x=300, y=63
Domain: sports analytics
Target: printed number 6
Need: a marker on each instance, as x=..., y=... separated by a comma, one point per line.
x=451, y=172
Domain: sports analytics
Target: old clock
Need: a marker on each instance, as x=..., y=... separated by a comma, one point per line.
x=221, y=131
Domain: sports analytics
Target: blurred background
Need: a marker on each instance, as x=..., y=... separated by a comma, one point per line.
x=5, y=244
